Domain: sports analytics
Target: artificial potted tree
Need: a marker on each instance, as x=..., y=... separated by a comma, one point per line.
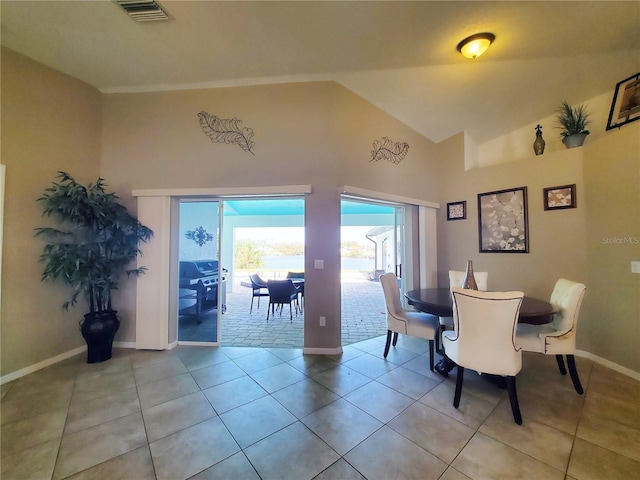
x=95, y=244
x=573, y=122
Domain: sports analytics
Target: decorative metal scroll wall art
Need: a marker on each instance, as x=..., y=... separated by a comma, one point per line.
x=389, y=150
x=226, y=130
x=199, y=235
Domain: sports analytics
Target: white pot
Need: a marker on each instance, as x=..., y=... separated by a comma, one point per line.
x=575, y=140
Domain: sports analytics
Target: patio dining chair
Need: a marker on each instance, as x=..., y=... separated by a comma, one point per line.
x=282, y=292
x=259, y=287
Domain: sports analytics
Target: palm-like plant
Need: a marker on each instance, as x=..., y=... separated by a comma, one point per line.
x=572, y=120
x=97, y=240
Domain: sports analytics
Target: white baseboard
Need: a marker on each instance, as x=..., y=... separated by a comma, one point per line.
x=609, y=364
x=40, y=365
x=124, y=344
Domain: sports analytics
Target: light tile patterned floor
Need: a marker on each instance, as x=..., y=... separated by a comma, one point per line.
x=272, y=413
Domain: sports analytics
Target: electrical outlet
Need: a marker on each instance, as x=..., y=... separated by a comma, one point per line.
x=323, y=321
x=635, y=267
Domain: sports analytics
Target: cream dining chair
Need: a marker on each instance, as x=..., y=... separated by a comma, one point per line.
x=483, y=338
x=405, y=321
x=558, y=337
x=456, y=278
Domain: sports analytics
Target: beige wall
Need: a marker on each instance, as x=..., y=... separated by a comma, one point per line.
x=563, y=243
x=611, y=326
x=312, y=133
x=318, y=134
x=49, y=122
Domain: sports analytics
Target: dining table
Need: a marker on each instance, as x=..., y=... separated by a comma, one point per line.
x=438, y=301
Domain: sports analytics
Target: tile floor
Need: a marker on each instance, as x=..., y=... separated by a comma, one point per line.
x=272, y=413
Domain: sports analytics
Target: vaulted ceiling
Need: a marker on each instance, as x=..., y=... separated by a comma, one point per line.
x=400, y=56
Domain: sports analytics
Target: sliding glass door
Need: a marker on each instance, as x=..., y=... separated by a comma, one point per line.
x=202, y=280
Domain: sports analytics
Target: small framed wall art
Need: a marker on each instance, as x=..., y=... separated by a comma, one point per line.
x=557, y=198
x=457, y=210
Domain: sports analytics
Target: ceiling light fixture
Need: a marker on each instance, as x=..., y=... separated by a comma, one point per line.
x=476, y=45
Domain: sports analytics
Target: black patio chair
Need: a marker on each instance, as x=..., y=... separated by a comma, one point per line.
x=259, y=287
x=281, y=292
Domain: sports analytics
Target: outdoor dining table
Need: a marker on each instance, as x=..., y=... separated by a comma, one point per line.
x=438, y=301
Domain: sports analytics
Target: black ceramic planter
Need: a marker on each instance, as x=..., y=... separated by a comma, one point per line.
x=98, y=330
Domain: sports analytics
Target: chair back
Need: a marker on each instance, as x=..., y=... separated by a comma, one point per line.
x=295, y=275
x=567, y=298
x=389, y=283
x=456, y=278
x=281, y=291
x=485, y=329
x=257, y=282
x=395, y=311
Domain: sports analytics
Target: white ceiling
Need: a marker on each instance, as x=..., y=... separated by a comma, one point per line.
x=401, y=56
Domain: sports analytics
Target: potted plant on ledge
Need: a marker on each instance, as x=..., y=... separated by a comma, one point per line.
x=573, y=122
x=97, y=241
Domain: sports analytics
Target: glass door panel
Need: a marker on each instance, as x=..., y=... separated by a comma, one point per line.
x=202, y=280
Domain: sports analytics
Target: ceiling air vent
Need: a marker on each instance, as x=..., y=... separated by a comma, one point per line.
x=143, y=11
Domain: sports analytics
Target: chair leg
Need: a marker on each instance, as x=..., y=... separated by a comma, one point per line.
x=571, y=362
x=513, y=399
x=269, y=307
x=459, y=378
x=386, y=347
x=563, y=370
x=431, y=349
x=251, y=308
x=395, y=338
x=291, y=313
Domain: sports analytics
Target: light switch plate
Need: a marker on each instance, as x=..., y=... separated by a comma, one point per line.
x=318, y=264
x=635, y=267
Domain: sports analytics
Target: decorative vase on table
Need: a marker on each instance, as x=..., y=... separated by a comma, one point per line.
x=469, y=281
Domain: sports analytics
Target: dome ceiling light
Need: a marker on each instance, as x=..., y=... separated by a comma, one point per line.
x=476, y=45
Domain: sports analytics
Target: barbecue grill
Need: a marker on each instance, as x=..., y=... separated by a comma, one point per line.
x=199, y=283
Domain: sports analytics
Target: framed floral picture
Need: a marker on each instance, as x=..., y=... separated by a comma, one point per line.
x=457, y=210
x=503, y=221
x=557, y=198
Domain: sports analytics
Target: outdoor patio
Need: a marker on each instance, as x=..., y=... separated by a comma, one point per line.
x=363, y=317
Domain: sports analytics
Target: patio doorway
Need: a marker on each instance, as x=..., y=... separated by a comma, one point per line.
x=372, y=243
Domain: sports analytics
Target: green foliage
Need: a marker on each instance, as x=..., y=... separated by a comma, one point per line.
x=247, y=255
x=96, y=240
x=572, y=120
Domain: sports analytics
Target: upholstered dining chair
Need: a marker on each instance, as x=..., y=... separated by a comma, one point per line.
x=280, y=293
x=259, y=287
x=483, y=338
x=405, y=321
x=558, y=337
x=456, y=278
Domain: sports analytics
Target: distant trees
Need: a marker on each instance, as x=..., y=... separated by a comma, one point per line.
x=248, y=255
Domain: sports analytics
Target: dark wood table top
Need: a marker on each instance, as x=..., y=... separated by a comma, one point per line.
x=438, y=301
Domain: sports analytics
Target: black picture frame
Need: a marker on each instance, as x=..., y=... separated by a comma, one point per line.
x=457, y=210
x=625, y=106
x=559, y=198
x=503, y=221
